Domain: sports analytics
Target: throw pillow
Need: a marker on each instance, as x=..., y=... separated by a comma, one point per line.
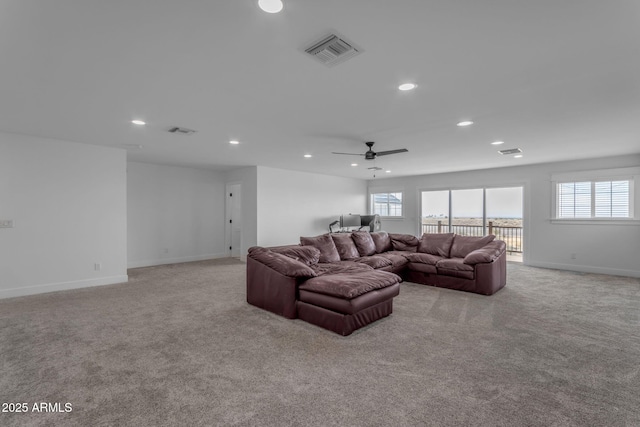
x=436, y=244
x=464, y=245
x=382, y=241
x=364, y=242
x=282, y=264
x=324, y=243
x=488, y=253
x=306, y=254
x=345, y=246
x=404, y=242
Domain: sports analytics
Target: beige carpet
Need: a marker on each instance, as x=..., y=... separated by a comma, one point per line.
x=178, y=345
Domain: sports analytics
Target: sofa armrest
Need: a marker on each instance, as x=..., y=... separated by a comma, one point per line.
x=487, y=253
x=491, y=276
x=270, y=290
x=283, y=264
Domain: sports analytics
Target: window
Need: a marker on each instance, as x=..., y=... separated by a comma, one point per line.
x=612, y=199
x=387, y=204
x=594, y=199
x=574, y=200
x=476, y=212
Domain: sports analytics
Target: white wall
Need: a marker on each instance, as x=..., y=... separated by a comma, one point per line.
x=248, y=178
x=609, y=249
x=174, y=214
x=68, y=204
x=293, y=204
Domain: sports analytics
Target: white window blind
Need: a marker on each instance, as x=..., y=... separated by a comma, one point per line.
x=574, y=200
x=612, y=199
x=593, y=199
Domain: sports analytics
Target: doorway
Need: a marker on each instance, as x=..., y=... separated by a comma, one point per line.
x=233, y=234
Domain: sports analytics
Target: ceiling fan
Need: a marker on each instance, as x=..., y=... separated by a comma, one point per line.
x=371, y=155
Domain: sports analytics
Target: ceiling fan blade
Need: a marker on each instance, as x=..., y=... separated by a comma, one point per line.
x=348, y=154
x=384, y=153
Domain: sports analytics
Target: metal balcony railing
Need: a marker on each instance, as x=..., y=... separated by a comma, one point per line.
x=512, y=236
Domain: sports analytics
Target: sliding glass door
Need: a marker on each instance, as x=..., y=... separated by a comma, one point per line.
x=435, y=211
x=504, y=215
x=475, y=212
x=467, y=212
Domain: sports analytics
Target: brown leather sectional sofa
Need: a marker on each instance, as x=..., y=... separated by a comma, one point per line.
x=344, y=281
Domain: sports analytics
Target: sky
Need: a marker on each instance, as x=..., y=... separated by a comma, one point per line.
x=501, y=203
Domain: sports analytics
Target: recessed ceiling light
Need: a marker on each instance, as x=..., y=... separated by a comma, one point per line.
x=497, y=142
x=234, y=142
x=407, y=86
x=517, y=156
x=138, y=122
x=465, y=123
x=308, y=155
x=354, y=164
x=270, y=6
x=388, y=171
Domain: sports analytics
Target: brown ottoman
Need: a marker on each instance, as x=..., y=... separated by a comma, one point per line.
x=345, y=302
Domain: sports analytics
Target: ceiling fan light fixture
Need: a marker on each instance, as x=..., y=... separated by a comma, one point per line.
x=271, y=6
x=407, y=86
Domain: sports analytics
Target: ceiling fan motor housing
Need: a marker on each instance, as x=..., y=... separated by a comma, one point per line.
x=370, y=155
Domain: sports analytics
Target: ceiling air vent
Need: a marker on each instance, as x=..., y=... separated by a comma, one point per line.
x=181, y=131
x=332, y=50
x=510, y=151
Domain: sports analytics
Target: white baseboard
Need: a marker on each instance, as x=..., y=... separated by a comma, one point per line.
x=151, y=263
x=62, y=286
x=585, y=268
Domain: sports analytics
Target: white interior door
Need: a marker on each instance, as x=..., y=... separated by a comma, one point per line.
x=234, y=219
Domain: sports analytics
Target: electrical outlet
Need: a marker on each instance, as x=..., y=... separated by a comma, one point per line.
x=6, y=223
x=97, y=266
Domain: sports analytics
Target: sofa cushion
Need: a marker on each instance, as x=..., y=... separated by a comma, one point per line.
x=324, y=243
x=397, y=258
x=340, y=267
x=382, y=241
x=375, y=261
x=464, y=245
x=350, y=285
x=422, y=268
x=281, y=263
x=350, y=306
x=455, y=267
x=436, y=244
x=404, y=242
x=306, y=254
x=487, y=253
x=345, y=246
x=423, y=258
x=364, y=243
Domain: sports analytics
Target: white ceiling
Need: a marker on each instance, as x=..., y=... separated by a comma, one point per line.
x=559, y=79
